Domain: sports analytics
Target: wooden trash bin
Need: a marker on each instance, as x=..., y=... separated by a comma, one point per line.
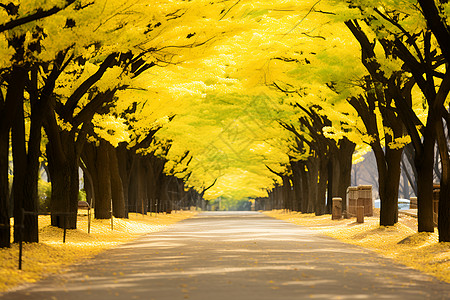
x=352, y=197
x=365, y=199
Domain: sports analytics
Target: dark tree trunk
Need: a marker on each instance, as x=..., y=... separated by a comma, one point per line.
x=102, y=182
x=424, y=162
x=8, y=114
x=444, y=193
x=344, y=158
x=321, y=186
x=25, y=178
x=32, y=176
x=444, y=210
x=152, y=184
x=20, y=160
x=279, y=197
x=286, y=190
x=155, y=182
x=269, y=205
x=298, y=201
x=312, y=175
x=117, y=193
x=438, y=25
x=164, y=194
x=63, y=167
x=388, y=187
x=137, y=192
x=305, y=204
x=330, y=185
x=180, y=195
x=133, y=185
x=425, y=194
x=124, y=166
x=142, y=187
x=98, y=165
x=5, y=231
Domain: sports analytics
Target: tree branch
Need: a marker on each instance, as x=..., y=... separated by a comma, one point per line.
x=39, y=14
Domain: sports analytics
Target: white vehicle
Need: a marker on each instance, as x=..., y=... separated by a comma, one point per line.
x=402, y=203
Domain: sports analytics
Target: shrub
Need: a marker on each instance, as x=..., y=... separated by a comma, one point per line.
x=82, y=195
x=44, y=192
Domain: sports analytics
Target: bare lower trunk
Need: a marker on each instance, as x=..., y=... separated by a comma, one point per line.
x=25, y=179
x=65, y=188
x=116, y=184
x=389, y=184
x=305, y=207
x=320, y=206
x=286, y=190
x=444, y=193
x=5, y=232
x=124, y=164
x=312, y=176
x=102, y=183
x=424, y=165
x=344, y=158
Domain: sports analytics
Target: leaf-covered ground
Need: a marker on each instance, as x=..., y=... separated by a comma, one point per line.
x=51, y=255
x=401, y=242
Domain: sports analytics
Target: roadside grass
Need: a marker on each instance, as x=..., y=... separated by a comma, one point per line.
x=51, y=255
x=402, y=242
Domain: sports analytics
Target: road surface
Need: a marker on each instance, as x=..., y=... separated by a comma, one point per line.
x=232, y=256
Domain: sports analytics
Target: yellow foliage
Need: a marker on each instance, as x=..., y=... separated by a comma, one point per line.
x=51, y=255
x=420, y=251
x=110, y=128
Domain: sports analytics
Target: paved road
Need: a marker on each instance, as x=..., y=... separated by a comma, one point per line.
x=233, y=256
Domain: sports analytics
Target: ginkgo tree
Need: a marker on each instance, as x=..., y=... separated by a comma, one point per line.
x=412, y=57
x=222, y=135
x=95, y=37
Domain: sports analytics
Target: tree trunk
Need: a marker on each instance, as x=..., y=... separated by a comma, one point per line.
x=388, y=166
x=124, y=165
x=330, y=186
x=25, y=179
x=269, y=205
x=344, y=158
x=298, y=204
x=312, y=176
x=133, y=185
x=286, y=190
x=118, y=198
x=102, y=182
x=166, y=205
x=8, y=114
x=152, y=189
x=142, y=199
x=424, y=161
x=63, y=167
x=321, y=186
x=5, y=231
x=279, y=199
x=137, y=193
x=444, y=193
x=304, y=204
